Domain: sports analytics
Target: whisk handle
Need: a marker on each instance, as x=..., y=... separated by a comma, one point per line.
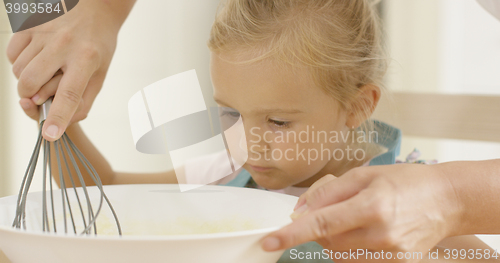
x=44, y=110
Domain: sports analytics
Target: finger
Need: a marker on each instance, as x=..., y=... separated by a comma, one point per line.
x=93, y=88
x=17, y=44
x=316, y=225
x=340, y=189
x=39, y=71
x=66, y=101
x=48, y=90
x=26, y=56
x=323, y=180
x=30, y=108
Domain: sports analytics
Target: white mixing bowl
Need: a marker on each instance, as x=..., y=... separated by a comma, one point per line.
x=160, y=224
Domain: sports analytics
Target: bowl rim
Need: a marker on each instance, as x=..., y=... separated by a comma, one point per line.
x=125, y=238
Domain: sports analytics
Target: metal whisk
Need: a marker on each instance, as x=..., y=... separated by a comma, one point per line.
x=62, y=148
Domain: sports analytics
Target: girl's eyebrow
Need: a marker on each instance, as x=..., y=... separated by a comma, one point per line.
x=220, y=102
x=277, y=110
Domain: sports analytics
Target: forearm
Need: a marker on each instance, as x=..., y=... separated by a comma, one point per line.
x=477, y=189
x=116, y=10
x=103, y=168
x=168, y=177
x=96, y=159
x=120, y=8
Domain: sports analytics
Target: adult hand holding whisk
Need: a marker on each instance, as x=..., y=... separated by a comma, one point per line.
x=81, y=43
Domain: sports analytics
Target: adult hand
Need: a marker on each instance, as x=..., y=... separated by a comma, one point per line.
x=81, y=44
x=395, y=208
x=32, y=110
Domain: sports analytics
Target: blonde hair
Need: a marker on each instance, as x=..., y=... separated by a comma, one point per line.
x=338, y=40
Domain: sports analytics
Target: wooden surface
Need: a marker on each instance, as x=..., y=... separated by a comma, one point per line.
x=462, y=117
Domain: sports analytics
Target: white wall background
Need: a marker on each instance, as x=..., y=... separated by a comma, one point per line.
x=437, y=46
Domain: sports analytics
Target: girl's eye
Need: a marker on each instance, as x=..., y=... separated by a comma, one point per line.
x=279, y=124
x=233, y=114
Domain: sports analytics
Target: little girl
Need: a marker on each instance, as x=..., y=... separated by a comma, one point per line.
x=311, y=68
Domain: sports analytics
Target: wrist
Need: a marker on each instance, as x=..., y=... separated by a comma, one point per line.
x=454, y=208
x=475, y=186
x=118, y=10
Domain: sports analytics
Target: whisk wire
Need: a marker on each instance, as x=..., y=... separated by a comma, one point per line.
x=45, y=218
x=51, y=190
x=27, y=179
x=84, y=187
x=75, y=157
x=62, y=185
x=60, y=149
x=92, y=172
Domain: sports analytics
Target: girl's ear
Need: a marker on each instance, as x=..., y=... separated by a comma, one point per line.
x=363, y=105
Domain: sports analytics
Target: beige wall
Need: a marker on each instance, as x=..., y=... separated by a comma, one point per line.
x=18, y=131
x=5, y=87
x=412, y=39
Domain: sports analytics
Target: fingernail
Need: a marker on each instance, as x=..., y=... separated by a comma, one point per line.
x=271, y=244
x=300, y=203
x=299, y=211
x=35, y=99
x=25, y=106
x=52, y=131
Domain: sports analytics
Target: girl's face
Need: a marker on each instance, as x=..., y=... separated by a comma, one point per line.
x=289, y=122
